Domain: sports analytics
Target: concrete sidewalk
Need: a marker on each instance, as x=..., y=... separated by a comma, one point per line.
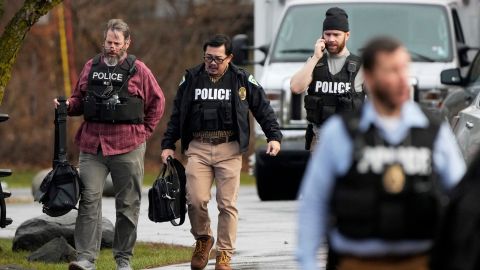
x=266, y=234
x=266, y=231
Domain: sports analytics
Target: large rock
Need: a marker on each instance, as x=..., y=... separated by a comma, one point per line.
x=38, y=178
x=56, y=251
x=36, y=232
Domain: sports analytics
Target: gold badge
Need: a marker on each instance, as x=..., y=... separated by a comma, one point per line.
x=394, y=179
x=242, y=92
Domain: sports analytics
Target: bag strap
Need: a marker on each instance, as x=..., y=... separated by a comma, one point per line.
x=172, y=164
x=182, y=217
x=60, y=150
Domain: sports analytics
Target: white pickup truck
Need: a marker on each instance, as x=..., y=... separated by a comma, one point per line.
x=284, y=36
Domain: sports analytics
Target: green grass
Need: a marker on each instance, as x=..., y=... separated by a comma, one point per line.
x=245, y=179
x=146, y=255
x=22, y=178
x=149, y=178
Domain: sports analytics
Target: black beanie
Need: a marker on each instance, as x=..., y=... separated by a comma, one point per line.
x=336, y=19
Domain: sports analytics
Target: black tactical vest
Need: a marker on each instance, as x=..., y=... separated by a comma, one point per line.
x=390, y=191
x=212, y=104
x=108, y=99
x=329, y=94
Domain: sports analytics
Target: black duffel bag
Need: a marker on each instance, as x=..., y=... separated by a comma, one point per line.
x=60, y=189
x=167, y=197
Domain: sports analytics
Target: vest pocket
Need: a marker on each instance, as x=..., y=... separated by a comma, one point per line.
x=345, y=104
x=196, y=120
x=210, y=119
x=226, y=115
x=90, y=108
x=354, y=210
x=313, y=107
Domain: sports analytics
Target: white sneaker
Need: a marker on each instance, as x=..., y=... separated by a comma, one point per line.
x=123, y=265
x=81, y=265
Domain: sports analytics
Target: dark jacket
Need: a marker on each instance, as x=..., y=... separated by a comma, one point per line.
x=457, y=245
x=255, y=101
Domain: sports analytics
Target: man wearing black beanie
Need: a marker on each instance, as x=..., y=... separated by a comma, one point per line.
x=332, y=76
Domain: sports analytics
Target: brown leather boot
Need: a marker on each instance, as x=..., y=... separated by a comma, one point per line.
x=201, y=253
x=223, y=261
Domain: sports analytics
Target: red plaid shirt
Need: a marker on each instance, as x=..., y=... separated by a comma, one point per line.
x=117, y=139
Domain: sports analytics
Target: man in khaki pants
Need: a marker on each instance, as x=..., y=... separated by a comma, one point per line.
x=211, y=117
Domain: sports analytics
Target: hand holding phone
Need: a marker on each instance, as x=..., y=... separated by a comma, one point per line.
x=319, y=48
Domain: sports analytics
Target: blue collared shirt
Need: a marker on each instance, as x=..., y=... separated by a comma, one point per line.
x=333, y=157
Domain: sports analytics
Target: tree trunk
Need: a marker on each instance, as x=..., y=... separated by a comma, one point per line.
x=15, y=32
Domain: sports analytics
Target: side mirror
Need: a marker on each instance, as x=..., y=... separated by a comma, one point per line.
x=451, y=77
x=241, y=51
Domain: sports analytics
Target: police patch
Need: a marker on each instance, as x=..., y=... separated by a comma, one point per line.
x=242, y=92
x=182, y=81
x=252, y=80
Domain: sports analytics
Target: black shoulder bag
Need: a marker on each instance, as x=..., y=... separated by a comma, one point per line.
x=167, y=197
x=60, y=188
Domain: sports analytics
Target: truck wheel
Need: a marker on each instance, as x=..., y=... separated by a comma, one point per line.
x=279, y=178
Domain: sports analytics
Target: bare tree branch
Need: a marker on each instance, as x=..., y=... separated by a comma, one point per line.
x=14, y=34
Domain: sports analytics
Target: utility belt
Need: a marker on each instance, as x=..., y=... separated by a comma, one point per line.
x=412, y=261
x=215, y=137
x=113, y=110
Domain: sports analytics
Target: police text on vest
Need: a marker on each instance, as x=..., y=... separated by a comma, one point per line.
x=212, y=94
x=333, y=87
x=107, y=76
x=414, y=160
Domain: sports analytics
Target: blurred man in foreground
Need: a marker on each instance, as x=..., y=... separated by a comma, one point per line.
x=375, y=182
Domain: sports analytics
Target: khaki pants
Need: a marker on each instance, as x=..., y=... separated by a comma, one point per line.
x=409, y=263
x=127, y=175
x=223, y=163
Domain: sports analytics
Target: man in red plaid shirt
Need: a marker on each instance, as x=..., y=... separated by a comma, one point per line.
x=122, y=104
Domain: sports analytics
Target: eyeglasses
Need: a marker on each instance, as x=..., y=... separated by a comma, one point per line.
x=218, y=60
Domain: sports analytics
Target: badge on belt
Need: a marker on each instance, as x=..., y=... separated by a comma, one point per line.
x=242, y=92
x=394, y=179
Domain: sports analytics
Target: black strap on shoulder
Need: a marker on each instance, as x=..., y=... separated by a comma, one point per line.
x=322, y=62
x=128, y=64
x=60, y=149
x=132, y=68
x=353, y=63
x=429, y=134
x=96, y=59
x=352, y=123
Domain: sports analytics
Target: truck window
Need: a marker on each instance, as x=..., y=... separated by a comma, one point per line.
x=424, y=29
